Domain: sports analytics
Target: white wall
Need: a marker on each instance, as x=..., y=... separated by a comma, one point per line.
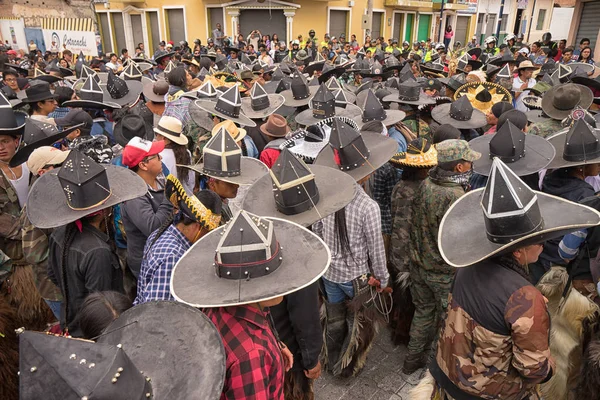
x=561, y=23
x=13, y=30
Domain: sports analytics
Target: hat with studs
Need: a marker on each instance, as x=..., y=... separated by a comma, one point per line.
x=37, y=134
x=483, y=95
x=357, y=153
x=260, y=104
x=577, y=145
x=419, y=154
x=193, y=363
x=92, y=96
x=132, y=72
x=374, y=111
x=206, y=91
x=254, y=259
x=410, y=92
x=42, y=76
x=120, y=91
x=562, y=74
x=512, y=216
x=300, y=93
x=79, y=188
x=222, y=159
x=460, y=114
x=523, y=154
x=323, y=106
x=227, y=106
x=299, y=193
x=454, y=82
x=12, y=122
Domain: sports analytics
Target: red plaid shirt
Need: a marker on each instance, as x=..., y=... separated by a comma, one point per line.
x=255, y=367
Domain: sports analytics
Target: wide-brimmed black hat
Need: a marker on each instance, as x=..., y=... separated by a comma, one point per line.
x=577, y=145
x=374, y=111
x=535, y=116
x=559, y=101
x=255, y=259
x=322, y=106
x=299, y=93
x=586, y=81
x=37, y=134
x=159, y=55
x=512, y=216
x=376, y=70
x=206, y=91
x=330, y=70
x=506, y=58
x=91, y=96
x=12, y=122
x=177, y=347
x=79, y=188
x=120, y=91
x=409, y=92
x=227, y=106
x=460, y=114
x=454, y=82
x=316, y=65
x=548, y=68
x=358, y=154
x=299, y=193
x=261, y=104
x=222, y=159
x=38, y=92
x=132, y=72
x=57, y=367
x=562, y=74
x=129, y=126
x=40, y=75
x=475, y=51
x=523, y=154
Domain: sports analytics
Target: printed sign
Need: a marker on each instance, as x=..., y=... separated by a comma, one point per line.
x=76, y=41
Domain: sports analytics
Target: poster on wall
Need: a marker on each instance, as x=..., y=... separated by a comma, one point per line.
x=13, y=33
x=76, y=41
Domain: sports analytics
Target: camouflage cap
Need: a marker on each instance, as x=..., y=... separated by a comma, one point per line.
x=455, y=150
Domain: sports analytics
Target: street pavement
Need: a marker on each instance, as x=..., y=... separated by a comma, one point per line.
x=381, y=378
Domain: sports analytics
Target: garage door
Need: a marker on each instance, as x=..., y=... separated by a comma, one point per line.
x=176, y=25
x=338, y=22
x=397, y=28
x=266, y=22
x=119, y=30
x=376, y=30
x=460, y=32
x=491, y=25
x=588, y=26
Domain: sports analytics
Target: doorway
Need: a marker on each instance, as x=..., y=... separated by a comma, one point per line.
x=517, y=27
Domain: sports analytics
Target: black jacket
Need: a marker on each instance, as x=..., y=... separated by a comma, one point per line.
x=297, y=321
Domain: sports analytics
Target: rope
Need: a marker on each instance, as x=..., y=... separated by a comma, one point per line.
x=308, y=194
x=381, y=305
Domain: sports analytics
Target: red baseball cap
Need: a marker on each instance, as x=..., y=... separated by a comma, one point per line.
x=137, y=149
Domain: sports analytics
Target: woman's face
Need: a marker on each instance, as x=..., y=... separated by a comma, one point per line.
x=64, y=64
x=113, y=58
x=586, y=53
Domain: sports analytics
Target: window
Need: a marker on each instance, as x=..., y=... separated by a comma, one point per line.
x=540, y=21
x=175, y=24
x=152, y=23
x=106, y=35
x=504, y=22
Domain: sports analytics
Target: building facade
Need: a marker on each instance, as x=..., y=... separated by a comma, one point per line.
x=125, y=24
x=586, y=24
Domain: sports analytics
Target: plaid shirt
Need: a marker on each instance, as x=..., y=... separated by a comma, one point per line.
x=363, y=223
x=384, y=180
x=255, y=367
x=158, y=262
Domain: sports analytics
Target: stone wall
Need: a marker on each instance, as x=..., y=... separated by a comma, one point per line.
x=32, y=11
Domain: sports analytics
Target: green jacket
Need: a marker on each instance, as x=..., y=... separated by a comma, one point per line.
x=431, y=201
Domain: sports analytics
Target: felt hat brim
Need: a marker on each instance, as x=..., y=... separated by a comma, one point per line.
x=149, y=94
x=381, y=149
x=275, y=102
x=591, y=83
x=337, y=71
x=538, y=154
x=533, y=102
x=291, y=102
x=307, y=118
x=21, y=117
x=314, y=66
x=535, y=116
x=305, y=259
x=158, y=59
x=201, y=117
x=47, y=204
x=251, y=171
x=587, y=97
x=147, y=134
x=209, y=106
x=135, y=89
x=48, y=78
x=336, y=190
x=423, y=99
x=22, y=155
x=441, y=114
x=392, y=117
x=100, y=105
x=558, y=140
x=191, y=360
x=560, y=217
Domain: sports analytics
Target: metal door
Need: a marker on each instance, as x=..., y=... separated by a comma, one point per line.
x=176, y=25
x=408, y=34
x=338, y=23
x=154, y=36
x=119, y=30
x=461, y=29
x=397, y=28
x=424, y=27
x=37, y=36
x=136, y=30
x=266, y=21
x=589, y=25
x=215, y=16
x=376, y=30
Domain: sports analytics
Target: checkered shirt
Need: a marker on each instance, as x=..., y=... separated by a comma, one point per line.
x=363, y=224
x=179, y=109
x=254, y=365
x=59, y=112
x=158, y=262
x=384, y=180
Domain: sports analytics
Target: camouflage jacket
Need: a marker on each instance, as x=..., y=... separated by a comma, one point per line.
x=431, y=201
x=402, y=197
x=10, y=227
x=546, y=128
x=495, y=340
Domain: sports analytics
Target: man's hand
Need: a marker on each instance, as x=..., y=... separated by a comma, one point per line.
x=315, y=372
x=288, y=357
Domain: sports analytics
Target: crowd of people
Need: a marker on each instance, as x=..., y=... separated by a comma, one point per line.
x=229, y=220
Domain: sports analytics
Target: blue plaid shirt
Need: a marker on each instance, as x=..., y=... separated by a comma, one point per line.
x=158, y=262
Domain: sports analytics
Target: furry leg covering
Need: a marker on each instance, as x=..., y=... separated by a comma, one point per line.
x=9, y=352
x=403, y=309
x=297, y=386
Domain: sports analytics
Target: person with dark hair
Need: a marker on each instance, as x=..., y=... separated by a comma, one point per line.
x=196, y=216
x=431, y=277
x=98, y=310
x=176, y=154
x=145, y=214
x=10, y=79
x=41, y=101
x=63, y=93
x=523, y=82
x=518, y=118
x=583, y=43
x=567, y=56
x=495, y=112
x=445, y=132
x=586, y=58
